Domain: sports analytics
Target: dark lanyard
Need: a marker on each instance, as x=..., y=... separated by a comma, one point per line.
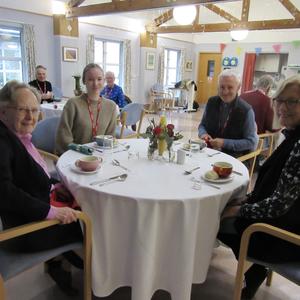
x=222, y=128
x=94, y=127
x=44, y=90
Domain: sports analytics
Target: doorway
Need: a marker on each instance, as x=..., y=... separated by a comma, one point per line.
x=209, y=67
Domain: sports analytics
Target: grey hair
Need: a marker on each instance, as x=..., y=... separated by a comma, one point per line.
x=265, y=82
x=89, y=67
x=40, y=67
x=110, y=73
x=294, y=80
x=8, y=92
x=229, y=73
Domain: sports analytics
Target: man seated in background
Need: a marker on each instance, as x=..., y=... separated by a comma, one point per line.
x=261, y=103
x=228, y=122
x=41, y=84
x=112, y=91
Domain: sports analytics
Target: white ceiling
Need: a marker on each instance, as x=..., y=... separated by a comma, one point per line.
x=135, y=21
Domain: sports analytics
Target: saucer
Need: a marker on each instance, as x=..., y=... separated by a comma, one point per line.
x=219, y=180
x=78, y=170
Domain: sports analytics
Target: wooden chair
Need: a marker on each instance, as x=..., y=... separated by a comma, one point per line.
x=131, y=114
x=12, y=263
x=251, y=159
x=161, y=98
x=289, y=270
x=268, y=139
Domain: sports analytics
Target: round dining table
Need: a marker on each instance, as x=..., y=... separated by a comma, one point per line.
x=53, y=109
x=156, y=229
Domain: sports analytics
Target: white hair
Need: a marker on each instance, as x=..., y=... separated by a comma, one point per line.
x=229, y=73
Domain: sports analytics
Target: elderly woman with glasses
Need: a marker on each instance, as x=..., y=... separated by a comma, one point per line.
x=25, y=184
x=275, y=198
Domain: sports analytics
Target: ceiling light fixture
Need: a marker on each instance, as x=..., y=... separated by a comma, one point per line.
x=184, y=15
x=239, y=35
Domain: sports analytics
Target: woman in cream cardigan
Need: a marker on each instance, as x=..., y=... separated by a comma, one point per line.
x=87, y=115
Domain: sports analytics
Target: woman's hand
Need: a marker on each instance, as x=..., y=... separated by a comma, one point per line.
x=230, y=211
x=65, y=215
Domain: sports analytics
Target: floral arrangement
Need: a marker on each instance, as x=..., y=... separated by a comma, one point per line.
x=161, y=136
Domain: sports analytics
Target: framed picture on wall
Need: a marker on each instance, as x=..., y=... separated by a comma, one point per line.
x=70, y=54
x=188, y=66
x=150, y=60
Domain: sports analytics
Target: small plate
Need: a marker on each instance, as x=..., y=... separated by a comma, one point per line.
x=219, y=180
x=78, y=170
x=192, y=147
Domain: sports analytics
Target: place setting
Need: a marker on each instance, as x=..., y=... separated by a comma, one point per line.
x=87, y=165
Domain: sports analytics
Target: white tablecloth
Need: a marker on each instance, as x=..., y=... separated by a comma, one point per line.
x=153, y=231
x=53, y=109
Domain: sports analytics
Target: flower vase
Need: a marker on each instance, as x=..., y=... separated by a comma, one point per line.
x=161, y=146
x=77, y=90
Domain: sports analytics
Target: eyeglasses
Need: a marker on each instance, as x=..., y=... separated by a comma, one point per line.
x=24, y=110
x=290, y=103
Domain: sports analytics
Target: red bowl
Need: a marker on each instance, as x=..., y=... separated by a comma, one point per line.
x=223, y=169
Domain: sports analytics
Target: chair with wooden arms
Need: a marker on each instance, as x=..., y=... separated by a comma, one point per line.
x=251, y=159
x=12, y=263
x=268, y=144
x=131, y=114
x=289, y=270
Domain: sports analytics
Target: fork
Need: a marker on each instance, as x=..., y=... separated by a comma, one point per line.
x=213, y=154
x=118, y=164
x=190, y=171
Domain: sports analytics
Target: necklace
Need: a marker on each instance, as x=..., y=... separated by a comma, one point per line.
x=44, y=90
x=94, y=126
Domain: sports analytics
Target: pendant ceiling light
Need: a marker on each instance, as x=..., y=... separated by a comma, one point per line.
x=184, y=15
x=239, y=35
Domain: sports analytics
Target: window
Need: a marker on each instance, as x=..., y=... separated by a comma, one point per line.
x=109, y=55
x=171, y=72
x=10, y=55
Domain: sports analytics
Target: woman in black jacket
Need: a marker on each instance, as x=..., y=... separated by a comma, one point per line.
x=275, y=198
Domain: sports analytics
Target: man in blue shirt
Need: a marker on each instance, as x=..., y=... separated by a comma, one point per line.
x=228, y=122
x=112, y=91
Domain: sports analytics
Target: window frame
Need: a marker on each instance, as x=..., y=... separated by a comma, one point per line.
x=167, y=67
x=122, y=59
x=21, y=59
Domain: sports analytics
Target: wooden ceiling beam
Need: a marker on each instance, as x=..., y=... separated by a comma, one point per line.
x=130, y=5
x=245, y=10
x=222, y=13
x=163, y=18
x=293, y=10
x=75, y=3
x=221, y=27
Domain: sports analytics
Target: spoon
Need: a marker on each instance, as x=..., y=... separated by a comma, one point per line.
x=119, y=178
x=118, y=164
x=191, y=171
x=125, y=149
x=213, y=154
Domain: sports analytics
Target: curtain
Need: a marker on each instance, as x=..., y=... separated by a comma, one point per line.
x=90, y=49
x=127, y=68
x=29, y=51
x=249, y=65
x=161, y=67
x=181, y=64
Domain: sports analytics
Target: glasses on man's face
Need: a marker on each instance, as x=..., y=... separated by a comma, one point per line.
x=25, y=110
x=290, y=103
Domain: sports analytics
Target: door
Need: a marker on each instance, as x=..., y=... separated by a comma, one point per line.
x=209, y=67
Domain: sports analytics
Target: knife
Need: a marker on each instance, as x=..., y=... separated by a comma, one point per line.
x=104, y=180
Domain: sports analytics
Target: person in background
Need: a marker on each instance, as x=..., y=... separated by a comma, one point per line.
x=87, y=115
x=112, y=91
x=275, y=198
x=261, y=103
x=228, y=122
x=41, y=84
x=26, y=188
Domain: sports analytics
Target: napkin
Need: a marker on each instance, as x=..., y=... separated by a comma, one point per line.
x=81, y=148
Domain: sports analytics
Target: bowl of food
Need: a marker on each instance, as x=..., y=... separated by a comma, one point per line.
x=222, y=168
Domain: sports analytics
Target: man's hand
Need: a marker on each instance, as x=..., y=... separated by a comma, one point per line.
x=217, y=143
x=206, y=137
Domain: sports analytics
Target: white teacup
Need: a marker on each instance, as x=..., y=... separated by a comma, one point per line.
x=88, y=163
x=105, y=140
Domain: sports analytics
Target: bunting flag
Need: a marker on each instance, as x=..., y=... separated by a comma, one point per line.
x=258, y=50
x=277, y=48
x=222, y=47
x=238, y=51
x=296, y=43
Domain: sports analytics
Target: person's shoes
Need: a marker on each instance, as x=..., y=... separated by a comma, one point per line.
x=254, y=278
x=74, y=259
x=62, y=278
